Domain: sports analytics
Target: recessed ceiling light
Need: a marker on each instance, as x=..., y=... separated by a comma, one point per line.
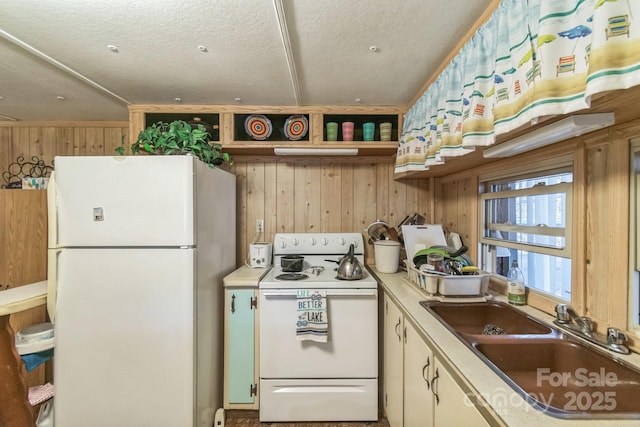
x=178, y=99
x=373, y=48
x=60, y=98
x=203, y=48
x=358, y=100
x=1, y=98
x=238, y=100
x=112, y=48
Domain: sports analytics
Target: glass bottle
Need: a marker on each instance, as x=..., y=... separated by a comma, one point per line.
x=515, y=285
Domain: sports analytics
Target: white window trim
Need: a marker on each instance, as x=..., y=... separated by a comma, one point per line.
x=540, y=229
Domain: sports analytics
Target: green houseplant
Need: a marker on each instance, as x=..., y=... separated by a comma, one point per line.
x=179, y=137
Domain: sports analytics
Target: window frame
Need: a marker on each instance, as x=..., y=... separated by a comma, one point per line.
x=486, y=245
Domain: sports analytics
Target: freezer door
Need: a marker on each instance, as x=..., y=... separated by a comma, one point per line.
x=124, y=201
x=125, y=346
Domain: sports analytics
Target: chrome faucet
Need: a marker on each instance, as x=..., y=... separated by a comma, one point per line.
x=583, y=327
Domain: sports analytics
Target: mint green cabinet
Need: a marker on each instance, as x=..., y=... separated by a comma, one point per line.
x=241, y=374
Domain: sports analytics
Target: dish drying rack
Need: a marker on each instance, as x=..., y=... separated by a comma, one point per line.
x=461, y=288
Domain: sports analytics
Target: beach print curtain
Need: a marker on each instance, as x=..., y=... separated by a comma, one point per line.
x=532, y=58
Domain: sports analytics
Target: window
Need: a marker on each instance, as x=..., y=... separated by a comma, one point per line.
x=528, y=218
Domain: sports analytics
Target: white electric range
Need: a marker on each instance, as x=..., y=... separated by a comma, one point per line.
x=335, y=380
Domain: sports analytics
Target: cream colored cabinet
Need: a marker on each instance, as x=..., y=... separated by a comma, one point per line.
x=393, y=363
x=452, y=406
x=419, y=391
x=418, y=375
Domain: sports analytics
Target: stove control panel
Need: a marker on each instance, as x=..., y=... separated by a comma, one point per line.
x=317, y=243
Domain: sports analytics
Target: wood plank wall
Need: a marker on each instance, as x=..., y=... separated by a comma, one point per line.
x=323, y=197
x=297, y=196
x=49, y=139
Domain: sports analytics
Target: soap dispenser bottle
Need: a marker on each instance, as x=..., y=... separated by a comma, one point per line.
x=515, y=285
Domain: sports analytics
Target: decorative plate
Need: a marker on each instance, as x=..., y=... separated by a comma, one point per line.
x=258, y=127
x=296, y=127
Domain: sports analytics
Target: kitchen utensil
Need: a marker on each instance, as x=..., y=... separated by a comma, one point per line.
x=447, y=252
x=418, y=237
x=350, y=268
x=387, y=255
x=291, y=263
x=378, y=230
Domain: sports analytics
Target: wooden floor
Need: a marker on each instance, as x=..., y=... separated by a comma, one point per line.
x=236, y=418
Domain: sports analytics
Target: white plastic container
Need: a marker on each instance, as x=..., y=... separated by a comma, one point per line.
x=387, y=255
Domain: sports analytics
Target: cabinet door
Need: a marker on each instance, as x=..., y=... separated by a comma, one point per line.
x=240, y=349
x=393, y=363
x=452, y=407
x=418, y=368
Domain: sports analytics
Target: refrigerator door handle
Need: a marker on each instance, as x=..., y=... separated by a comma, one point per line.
x=52, y=282
x=52, y=212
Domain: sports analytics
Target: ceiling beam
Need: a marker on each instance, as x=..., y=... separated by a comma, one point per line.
x=32, y=50
x=286, y=44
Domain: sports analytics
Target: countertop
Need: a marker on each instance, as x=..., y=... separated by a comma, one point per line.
x=244, y=277
x=501, y=403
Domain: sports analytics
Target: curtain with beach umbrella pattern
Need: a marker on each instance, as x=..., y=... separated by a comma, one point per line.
x=532, y=58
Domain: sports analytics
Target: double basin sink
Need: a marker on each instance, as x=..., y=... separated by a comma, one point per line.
x=554, y=372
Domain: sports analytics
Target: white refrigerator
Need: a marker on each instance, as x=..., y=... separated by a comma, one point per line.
x=138, y=248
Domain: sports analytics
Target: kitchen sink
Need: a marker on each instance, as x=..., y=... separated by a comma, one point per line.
x=485, y=318
x=554, y=372
x=566, y=377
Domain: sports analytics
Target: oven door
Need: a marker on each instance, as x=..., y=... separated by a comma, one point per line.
x=352, y=347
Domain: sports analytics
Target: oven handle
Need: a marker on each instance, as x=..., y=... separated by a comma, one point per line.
x=329, y=293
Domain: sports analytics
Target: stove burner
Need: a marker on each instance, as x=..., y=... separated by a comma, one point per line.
x=291, y=276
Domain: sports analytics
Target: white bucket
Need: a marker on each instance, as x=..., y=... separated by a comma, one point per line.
x=387, y=255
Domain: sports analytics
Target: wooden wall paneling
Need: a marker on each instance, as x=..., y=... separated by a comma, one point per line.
x=113, y=138
x=80, y=142
x=285, y=198
x=307, y=198
x=383, y=208
x=607, y=260
x=242, y=243
x=417, y=198
x=398, y=201
x=64, y=141
x=5, y=150
x=347, y=202
x=330, y=203
x=21, y=144
x=95, y=142
x=364, y=196
x=270, y=204
x=255, y=199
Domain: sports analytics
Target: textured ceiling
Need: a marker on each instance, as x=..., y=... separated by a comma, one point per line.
x=264, y=52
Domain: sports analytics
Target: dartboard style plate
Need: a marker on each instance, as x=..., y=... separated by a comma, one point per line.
x=258, y=127
x=296, y=127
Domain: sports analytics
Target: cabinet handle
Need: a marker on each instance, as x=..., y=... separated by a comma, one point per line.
x=425, y=373
x=233, y=303
x=434, y=390
x=396, y=328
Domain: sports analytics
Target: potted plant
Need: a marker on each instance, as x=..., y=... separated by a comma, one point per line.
x=179, y=137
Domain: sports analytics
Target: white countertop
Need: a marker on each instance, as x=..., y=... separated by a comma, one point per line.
x=244, y=277
x=505, y=405
x=22, y=298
